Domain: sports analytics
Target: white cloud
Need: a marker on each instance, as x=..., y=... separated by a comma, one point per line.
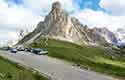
x=14, y=18
x=18, y=16
x=7, y=36
x=100, y=19
x=116, y=7
x=26, y=16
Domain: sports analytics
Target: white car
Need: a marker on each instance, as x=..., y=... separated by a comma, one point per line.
x=39, y=51
x=43, y=52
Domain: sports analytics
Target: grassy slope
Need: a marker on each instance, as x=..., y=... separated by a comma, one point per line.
x=87, y=57
x=18, y=73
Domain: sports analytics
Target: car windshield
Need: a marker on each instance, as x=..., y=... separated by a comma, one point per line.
x=38, y=49
x=14, y=49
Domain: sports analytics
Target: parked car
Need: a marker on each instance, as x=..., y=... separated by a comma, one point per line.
x=43, y=53
x=28, y=49
x=39, y=51
x=21, y=49
x=36, y=50
x=13, y=50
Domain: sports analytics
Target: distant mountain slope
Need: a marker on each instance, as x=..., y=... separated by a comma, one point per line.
x=59, y=25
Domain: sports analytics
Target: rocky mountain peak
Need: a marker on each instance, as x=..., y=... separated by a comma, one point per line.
x=56, y=9
x=56, y=15
x=59, y=25
x=56, y=5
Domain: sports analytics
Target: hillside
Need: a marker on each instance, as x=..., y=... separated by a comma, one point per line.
x=93, y=58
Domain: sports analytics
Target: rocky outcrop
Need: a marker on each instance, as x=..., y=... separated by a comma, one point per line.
x=59, y=25
x=106, y=34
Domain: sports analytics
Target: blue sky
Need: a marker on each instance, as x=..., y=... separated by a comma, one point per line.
x=92, y=4
x=15, y=1
x=25, y=14
x=83, y=4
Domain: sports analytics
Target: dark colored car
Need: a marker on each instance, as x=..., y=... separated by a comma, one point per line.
x=13, y=50
x=36, y=50
x=28, y=49
x=21, y=49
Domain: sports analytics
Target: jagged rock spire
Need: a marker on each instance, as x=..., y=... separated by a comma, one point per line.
x=56, y=5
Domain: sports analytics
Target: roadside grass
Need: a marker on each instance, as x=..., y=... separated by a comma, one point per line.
x=91, y=58
x=12, y=71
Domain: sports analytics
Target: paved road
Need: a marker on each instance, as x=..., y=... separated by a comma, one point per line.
x=57, y=69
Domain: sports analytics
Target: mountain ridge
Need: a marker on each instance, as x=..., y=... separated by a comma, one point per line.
x=59, y=25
